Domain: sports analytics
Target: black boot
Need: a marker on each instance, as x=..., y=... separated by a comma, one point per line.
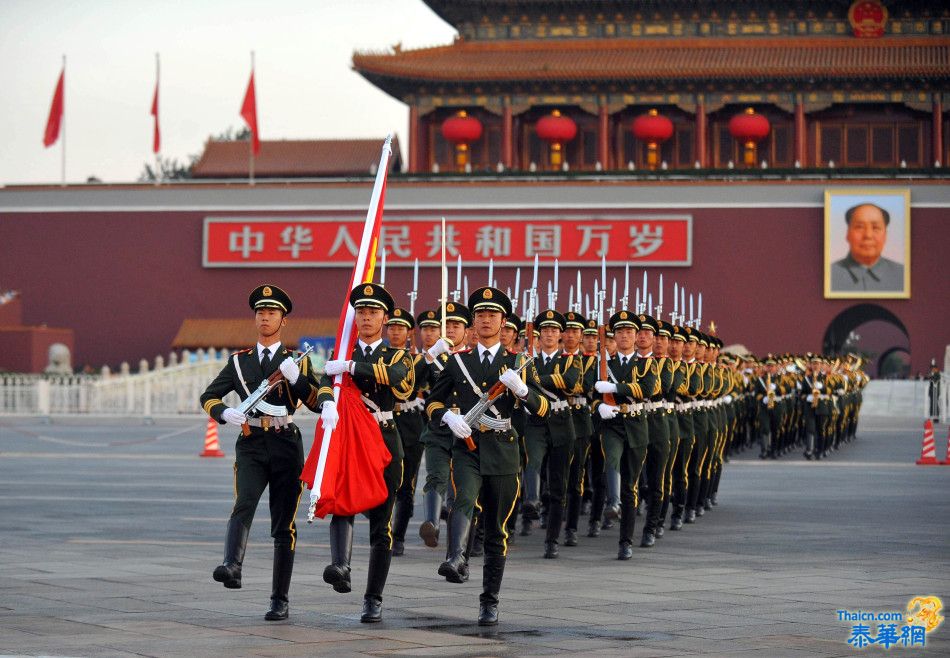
x=664, y=510
x=453, y=569
x=429, y=530
x=573, y=517
x=235, y=541
x=283, y=568
x=648, y=539
x=341, y=548
x=593, y=528
x=676, y=520
x=400, y=522
x=492, y=573
x=379, y=561
x=553, y=531
x=628, y=519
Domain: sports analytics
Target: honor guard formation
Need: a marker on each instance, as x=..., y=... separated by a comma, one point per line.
x=527, y=422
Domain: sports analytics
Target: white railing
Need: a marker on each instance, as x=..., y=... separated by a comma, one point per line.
x=904, y=398
x=165, y=391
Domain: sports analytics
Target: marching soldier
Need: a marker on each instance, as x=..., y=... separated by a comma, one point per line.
x=681, y=350
x=625, y=427
x=410, y=420
x=438, y=439
x=700, y=458
x=384, y=376
x=269, y=451
x=598, y=477
x=766, y=393
x=817, y=406
x=551, y=437
x=580, y=414
x=658, y=448
x=672, y=376
x=486, y=470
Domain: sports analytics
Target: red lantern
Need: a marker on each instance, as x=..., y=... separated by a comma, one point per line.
x=461, y=130
x=749, y=128
x=654, y=129
x=556, y=129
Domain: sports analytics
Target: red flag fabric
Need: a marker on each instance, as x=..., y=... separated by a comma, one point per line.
x=353, y=480
x=343, y=473
x=55, y=119
x=156, y=133
x=249, y=113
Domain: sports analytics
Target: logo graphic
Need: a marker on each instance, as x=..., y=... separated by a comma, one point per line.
x=487, y=293
x=925, y=611
x=267, y=292
x=368, y=290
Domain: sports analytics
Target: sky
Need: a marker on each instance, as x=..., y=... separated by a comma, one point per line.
x=305, y=86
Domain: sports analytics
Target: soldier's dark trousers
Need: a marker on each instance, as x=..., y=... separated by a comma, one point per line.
x=495, y=493
x=698, y=460
x=406, y=494
x=681, y=463
x=658, y=453
x=271, y=459
x=575, y=482
x=597, y=478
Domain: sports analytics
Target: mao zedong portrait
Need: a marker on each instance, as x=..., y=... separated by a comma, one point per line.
x=865, y=269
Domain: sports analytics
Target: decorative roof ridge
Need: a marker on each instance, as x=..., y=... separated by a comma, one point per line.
x=698, y=43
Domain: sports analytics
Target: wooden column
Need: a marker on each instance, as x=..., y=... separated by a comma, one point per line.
x=937, y=131
x=603, y=130
x=801, y=133
x=701, y=148
x=414, y=131
x=506, y=135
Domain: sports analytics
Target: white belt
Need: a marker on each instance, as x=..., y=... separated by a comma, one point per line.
x=416, y=404
x=630, y=408
x=382, y=416
x=683, y=406
x=578, y=399
x=559, y=405
x=668, y=405
x=267, y=422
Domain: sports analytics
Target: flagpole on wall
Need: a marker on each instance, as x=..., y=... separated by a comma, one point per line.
x=62, y=164
x=250, y=142
x=156, y=143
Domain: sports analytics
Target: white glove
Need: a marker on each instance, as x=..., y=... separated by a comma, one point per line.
x=233, y=417
x=810, y=398
x=442, y=346
x=336, y=367
x=728, y=399
x=605, y=387
x=606, y=411
x=771, y=387
x=512, y=380
x=818, y=385
x=457, y=424
x=290, y=370
x=328, y=414
x=841, y=391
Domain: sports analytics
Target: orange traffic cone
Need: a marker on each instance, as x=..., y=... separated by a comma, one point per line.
x=213, y=448
x=946, y=462
x=928, y=451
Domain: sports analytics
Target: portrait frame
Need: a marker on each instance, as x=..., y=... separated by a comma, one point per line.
x=897, y=246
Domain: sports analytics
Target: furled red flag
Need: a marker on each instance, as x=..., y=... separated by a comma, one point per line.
x=55, y=119
x=249, y=113
x=345, y=475
x=156, y=133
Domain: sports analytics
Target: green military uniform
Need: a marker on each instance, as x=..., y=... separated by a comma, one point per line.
x=579, y=402
x=686, y=469
x=552, y=436
x=817, y=411
x=658, y=448
x=268, y=452
x=598, y=456
x=703, y=431
x=625, y=434
x=489, y=473
x=437, y=439
x=677, y=378
x=410, y=421
x=384, y=377
x=766, y=387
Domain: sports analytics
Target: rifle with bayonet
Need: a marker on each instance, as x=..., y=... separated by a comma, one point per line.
x=255, y=401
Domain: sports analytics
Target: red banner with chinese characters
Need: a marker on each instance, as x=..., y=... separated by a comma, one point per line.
x=509, y=239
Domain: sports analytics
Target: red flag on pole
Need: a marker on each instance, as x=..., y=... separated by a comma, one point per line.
x=55, y=113
x=345, y=475
x=249, y=113
x=156, y=133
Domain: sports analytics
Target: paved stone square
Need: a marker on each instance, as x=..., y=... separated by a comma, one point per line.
x=109, y=531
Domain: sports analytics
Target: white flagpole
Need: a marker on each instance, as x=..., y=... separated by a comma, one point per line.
x=62, y=130
x=250, y=143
